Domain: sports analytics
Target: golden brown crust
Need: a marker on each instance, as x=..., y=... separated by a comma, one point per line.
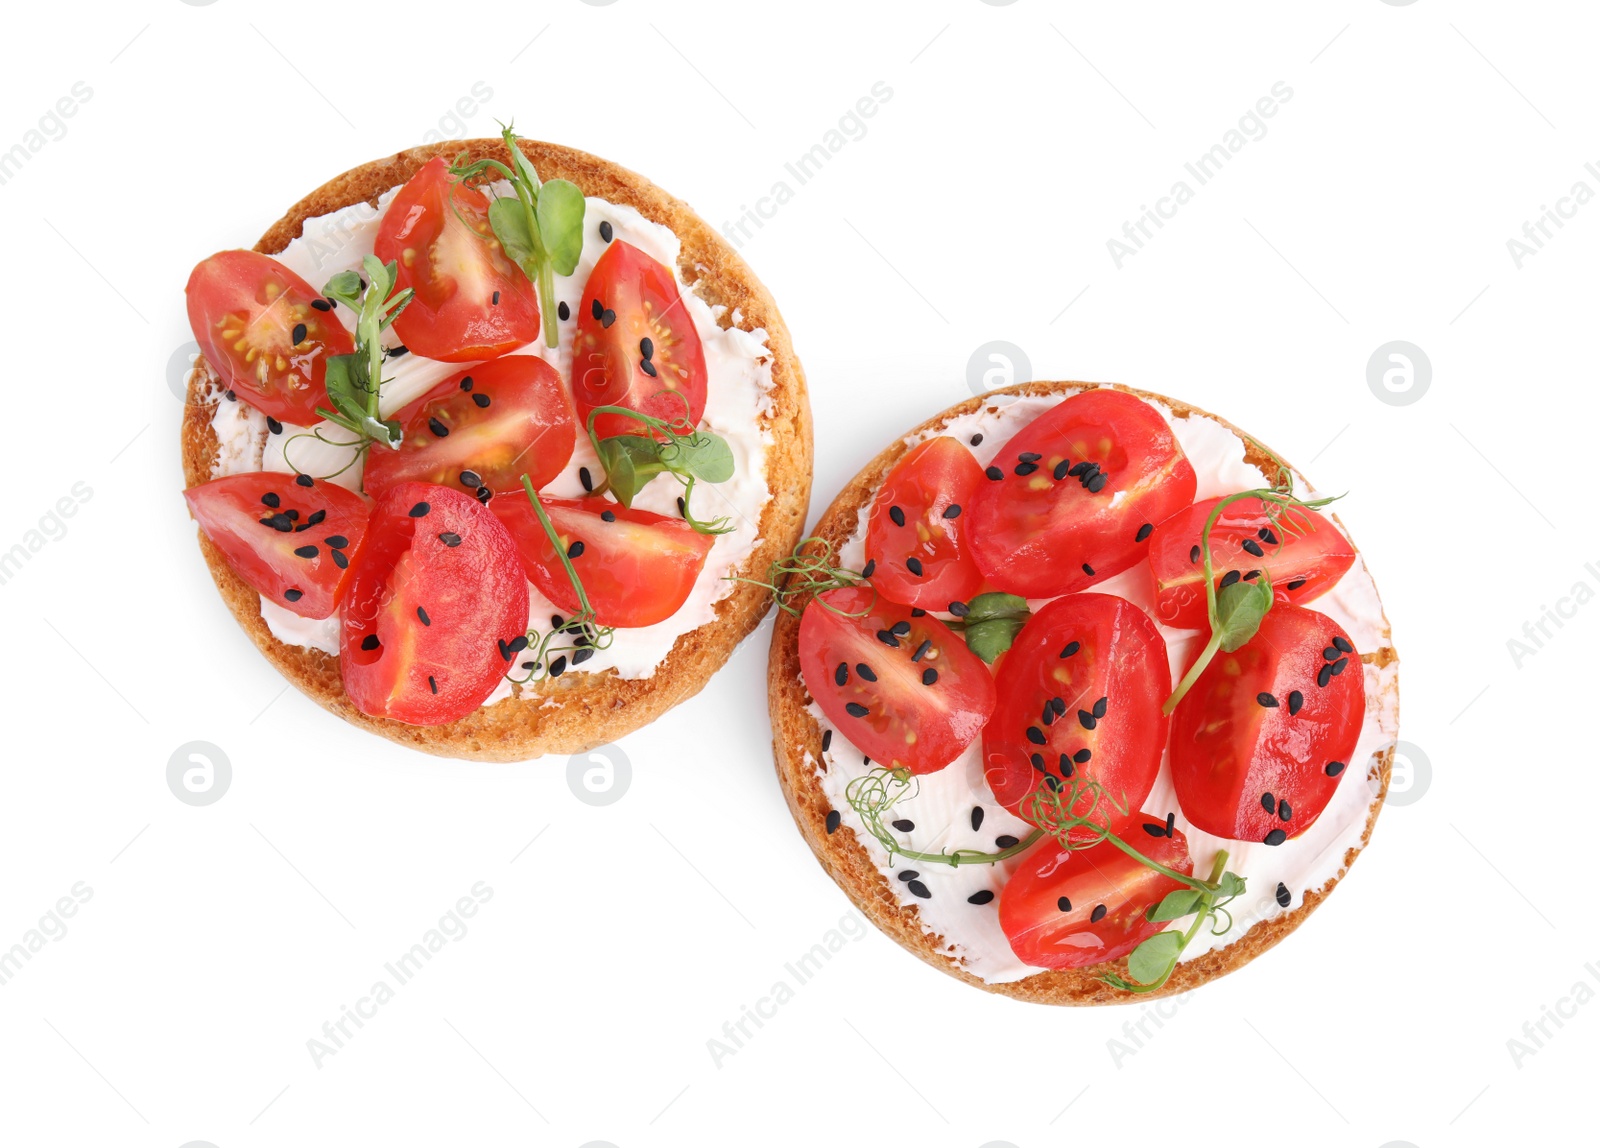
x=796, y=735
x=593, y=708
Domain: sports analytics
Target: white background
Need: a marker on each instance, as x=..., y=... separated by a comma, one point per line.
x=1018, y=139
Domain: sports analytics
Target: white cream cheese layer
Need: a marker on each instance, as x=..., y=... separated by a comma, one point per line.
x=942, y=807
x=738, y=394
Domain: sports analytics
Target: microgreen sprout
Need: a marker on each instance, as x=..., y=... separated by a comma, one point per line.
x=875, y=793
x=354, y=380
x=670, y=446
x=808, y=573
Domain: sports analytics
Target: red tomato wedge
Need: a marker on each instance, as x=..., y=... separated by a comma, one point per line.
x=636, y=346
x=435, y=599
x=1073, y=495
x=472, y=302
x=262, y=330
x=293, y=543
x=1260, y=741
x=1080, y=696
x=484, y=427
x=1067, y=909
x=917, y=537
x=904, y=689
x=1302, y=552
x=636, y=567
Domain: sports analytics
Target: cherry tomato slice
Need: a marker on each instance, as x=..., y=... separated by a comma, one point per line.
x=902, y=688
x=472, y=302
x=1071, y=495
x=1302, y=552
x=917, y=536
x=259, y=327
x=292, y=543
x=1080, y=696
x=491, y=423
x=1066, y=909
x=436, y=597
x=637, y=568
x=636, y=345
x=1261, y=740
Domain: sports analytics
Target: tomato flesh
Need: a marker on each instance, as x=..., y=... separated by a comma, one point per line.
x=916, y=536
x=292, y=543
x=1272, y=724
x=1048, y=908
x=471, y=301
x=1039, y=535
x=631, y=303
x=1302, y=552
x=637, y=568
x=904, y=689
x=1094, y=713
x=246, y=311
x=493, y=422
x=436, y=596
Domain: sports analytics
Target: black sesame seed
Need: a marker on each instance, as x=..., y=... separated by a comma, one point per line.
x=1251, y=575
x=1296, y=700
x=1082, y=756
x=1282, y=895
x=1025, y=468
x=494, y=300
x=888, y=639
x=1295, y=585
x=340, y=560
x=907, y=875
x=1253, y=547
x=855, y=709
x=904, y=824
x=832, y=821
x=1285, y=812
x=370, y=642
x=1061, y=469
x=481, y=399
x=1037, y=761
x=1078, y=470
x=1156, y=828
x=1036, y=735
x=1099, y=710
x=438, y=428
x=1267, y=536
x=230, y=396
x=298, y=335
x=471, y=478
x=915, y=566
x=960, y=609
x=306, y=551
x=278, y=522
x=1144, y=532
x=918, y=889
x=647, y=348
x=518, y=644
x=294, y=514
x=583, y=655
x=1276, y=837
x=929, y=676
x=271, y=500
x=994, y=473
x=575, y=550
x=1063, y=905
x=981, y=897
x=563, y=312
x=866, y=672
x=648, y=367
x=607, y=516
x=897, y=516
x=293, y=595
x=1172, y=823
x=1088, y=569
x=1065, y=766
x=420, y=509
x=1267, y=700
x=977, y=817
x=953, y=510
x=1070, y=648
x=1323, y=676
x=1049, y=715
x=594, y=308
x=321, y=305
x=558, y=667
x=867, y=570
x=422, y=616
x=1005, y=841
x=605, y=230
x=1334, y=768
x=483, y=494
x=901, y=628
x=1337, y=668
x=975, y=439
x=1058, y=706
x=1099, y=912
x=1228, y=579
x=1194, y=554
x=1269, y=803
x=1029, y=456
x=466, y=382
x=337, y=541
x=1342, y=645
x=1086, y=719
x=433, y=685
x=918, y=612
x=607, y=317
x=274, y=425
x=397, y=351
x=827, y=739
x=922, y=650
x=1097, y=483
x=303, y=480
x=841, y=675
x=1330, y=654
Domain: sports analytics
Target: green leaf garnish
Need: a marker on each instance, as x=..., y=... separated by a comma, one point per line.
x=992, y=623
x=539, y=226
x=806, y=573
x=672, y=447
x=1155, y=957
x=354, y=381
x=1178, y=903
x=1240, y=608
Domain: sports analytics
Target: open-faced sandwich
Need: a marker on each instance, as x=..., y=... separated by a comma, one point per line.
x=480, y=440
x=1080, y=693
